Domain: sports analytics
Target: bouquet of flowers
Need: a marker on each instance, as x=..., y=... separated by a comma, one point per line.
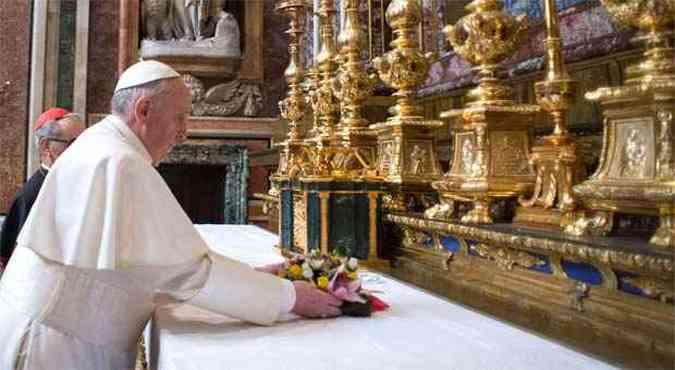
x=336, y=275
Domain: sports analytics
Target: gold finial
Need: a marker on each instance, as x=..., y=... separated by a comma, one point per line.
x=486, y=37
x=655, y=20
x=353, y=84
x=405, y=67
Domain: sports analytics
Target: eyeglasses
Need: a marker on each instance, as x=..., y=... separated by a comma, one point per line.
x=67, y=142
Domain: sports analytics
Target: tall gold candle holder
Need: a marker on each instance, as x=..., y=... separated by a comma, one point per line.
x=636, y=173
x=555, y=158
x=353, y=85
x=406, y=141
x=311, y=88
x=292, y=108
x=492, y=142
x=321, y=148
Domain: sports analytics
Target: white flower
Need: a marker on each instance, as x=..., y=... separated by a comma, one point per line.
x=352, y=263
x=316, y=263
x=307, y=273
x=305, y=266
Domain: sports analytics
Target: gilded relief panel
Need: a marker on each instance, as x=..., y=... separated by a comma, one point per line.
x=389, y=158
x=633, y=152
x=419, y=158
x=509, y=154
x=466, y=150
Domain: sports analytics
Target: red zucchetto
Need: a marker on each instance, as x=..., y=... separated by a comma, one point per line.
x=52, y=114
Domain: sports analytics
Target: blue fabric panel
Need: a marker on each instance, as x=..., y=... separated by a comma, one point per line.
x=582, y=272
x=450, y=243
x=626, y=287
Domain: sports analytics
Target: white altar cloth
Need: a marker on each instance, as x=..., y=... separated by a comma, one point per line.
x=420, y=331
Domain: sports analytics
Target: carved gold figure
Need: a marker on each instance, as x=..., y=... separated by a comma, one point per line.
x=555, y=158
x=491, y=137
x=406, y=141
x=635, y=174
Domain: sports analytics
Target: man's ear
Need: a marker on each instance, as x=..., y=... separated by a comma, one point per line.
x=43, y=144
x=142, y=109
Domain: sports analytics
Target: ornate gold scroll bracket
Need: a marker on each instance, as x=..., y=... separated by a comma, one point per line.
x=592, y=223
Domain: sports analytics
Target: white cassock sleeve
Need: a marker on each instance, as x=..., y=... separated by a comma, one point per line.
x=235, y=289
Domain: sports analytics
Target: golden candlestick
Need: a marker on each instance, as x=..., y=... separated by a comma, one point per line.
x=405, y=67
x=555, y=157
x=353, y=85
x=292, y=108
x=491, y=135
x=406, y=141
x=636, y=172
x=327, y=105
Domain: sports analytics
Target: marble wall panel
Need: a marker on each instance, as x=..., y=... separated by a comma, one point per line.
x=15, y=34
x=587, y=32
x=103, y=49
x=275, y=59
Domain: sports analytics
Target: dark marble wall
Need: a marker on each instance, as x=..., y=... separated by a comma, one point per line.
x=102, y=67
x=14, y=87
x=587, y=32
x=275, y=59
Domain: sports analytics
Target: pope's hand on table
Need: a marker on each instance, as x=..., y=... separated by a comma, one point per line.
x=314, y=303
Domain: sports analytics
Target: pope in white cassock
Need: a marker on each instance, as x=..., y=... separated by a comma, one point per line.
x=106, y=243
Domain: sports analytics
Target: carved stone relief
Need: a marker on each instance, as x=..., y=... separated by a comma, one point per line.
x=230, y=98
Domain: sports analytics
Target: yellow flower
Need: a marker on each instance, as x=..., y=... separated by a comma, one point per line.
x=352, y=275
x=295, y=271
x=322, y=282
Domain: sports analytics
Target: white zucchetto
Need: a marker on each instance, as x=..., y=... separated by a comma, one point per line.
x=143, y=72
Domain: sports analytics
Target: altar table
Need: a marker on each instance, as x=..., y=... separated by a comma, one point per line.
x=420, y=331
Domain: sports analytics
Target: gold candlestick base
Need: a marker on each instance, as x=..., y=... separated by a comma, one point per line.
x=407, y=152
x=558, y=169
x=490, y=158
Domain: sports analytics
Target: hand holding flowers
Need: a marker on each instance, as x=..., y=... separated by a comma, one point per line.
x=335, y=275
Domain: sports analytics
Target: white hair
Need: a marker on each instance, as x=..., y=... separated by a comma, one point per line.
x=123, y=100
x=53, y=129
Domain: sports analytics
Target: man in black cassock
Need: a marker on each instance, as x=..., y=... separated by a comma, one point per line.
x=54, y=130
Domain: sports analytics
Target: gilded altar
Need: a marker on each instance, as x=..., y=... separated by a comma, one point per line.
x=514, y=225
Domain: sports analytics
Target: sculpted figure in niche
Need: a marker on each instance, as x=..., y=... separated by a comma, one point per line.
x=192, y=18
x=157, y=22
x=196, y=28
